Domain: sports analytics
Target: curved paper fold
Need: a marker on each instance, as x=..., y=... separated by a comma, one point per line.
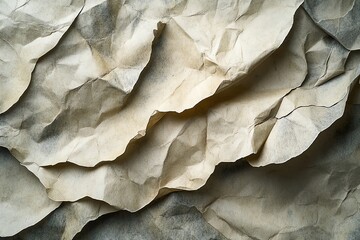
x=23, y=200
x=181, y=151
x=66, y=221
x=28, y=30
x=316, y=194
x=79, y=108
x=340, y=18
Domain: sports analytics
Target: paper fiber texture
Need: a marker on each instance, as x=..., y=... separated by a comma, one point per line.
x=111, y=105
x=66, y=221
x=28, y=30
x=23, y=199
x=181, y=150
x=78, y=95
x=340, y=19
x=169, y=218
x=313, y=196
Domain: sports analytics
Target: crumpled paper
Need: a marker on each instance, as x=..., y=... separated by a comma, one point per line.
x=28, y=30
x=181, y=151
x=313, y=196
x=55, y=123
x=135, y=100
x=66, y=221
x=23, y=200
x=340, y=18
x=167, y=219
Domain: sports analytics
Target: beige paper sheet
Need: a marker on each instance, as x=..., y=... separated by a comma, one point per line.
x=113, y=104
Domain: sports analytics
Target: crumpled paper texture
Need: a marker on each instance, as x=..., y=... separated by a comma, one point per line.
x=23, y=201
x=28, y=30
x=111, y=105
x=339, y=18
x=313, y=196
x=66, y=221
x=66, y=128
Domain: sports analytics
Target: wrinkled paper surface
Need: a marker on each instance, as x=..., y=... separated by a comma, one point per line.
x=313, y=196
x=23, y=199
x=111, y=105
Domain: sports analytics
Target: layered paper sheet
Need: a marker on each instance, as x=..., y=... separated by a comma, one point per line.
x=110, y=106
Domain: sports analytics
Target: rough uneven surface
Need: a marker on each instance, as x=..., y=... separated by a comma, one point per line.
x=66, y=221
x=28, y=30
x=179, y=119
x=340, y=18
x=77, y=110
x=23, y=200
x=313, y=196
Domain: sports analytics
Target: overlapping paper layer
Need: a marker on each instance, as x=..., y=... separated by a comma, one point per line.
x=110, y=105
